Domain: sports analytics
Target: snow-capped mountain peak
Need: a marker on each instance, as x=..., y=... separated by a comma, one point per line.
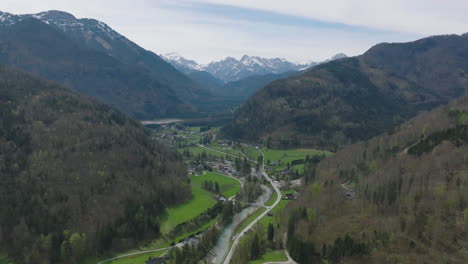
x=231, y=69
x=182, y=64
x=66, y=22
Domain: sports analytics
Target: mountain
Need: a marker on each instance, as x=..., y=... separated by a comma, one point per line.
x=246, y=87
x=99, y=36
x=231, y=69
x=239, y=79
x=76, y=173
x=182, y=64
x=352, y=99
x=401, y=197
x=158, y=89
x=206, y=80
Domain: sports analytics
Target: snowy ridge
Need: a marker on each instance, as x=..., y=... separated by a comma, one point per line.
x=67, y=23
x=231, y=69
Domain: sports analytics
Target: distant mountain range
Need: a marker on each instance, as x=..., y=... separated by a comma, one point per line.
x=239, y=78
x=353, y=99
x=89, y=56
x=231, y=69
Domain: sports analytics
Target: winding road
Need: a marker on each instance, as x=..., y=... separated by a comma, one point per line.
x=244, y=231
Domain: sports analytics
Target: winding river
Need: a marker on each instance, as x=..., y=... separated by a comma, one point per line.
x=223, y=244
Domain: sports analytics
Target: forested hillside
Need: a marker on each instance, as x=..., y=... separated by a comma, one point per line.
x=77, y=177
x=354, y=99
x=246, y=87
x=398, y=198
x=34, y=46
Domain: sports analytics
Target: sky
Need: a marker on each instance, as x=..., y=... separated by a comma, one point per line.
x=298, y=30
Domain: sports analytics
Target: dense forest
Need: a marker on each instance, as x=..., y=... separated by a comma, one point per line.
x=78, y=178
x=398, y=198
x=353, y=99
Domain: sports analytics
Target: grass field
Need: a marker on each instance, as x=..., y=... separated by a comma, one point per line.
x=285, y=156
x=194, y=129
x=197, y=150
x=269, y=219
x=137, y=259
x=272, y=200
x=251, y=152
x=249, y=219
x=227, y=149
x=271, y=256
x=201, y=200
x=227, y=186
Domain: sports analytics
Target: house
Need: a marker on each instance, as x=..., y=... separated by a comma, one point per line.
x=274, y=163
x=289, y=196
x=220, y=198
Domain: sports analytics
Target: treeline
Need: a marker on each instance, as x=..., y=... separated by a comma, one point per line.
x=199, y=247
x=251, y=190
x=212, y=186
x=193, y=252
x=457, y=135
x=198, y=221
x=242, y=166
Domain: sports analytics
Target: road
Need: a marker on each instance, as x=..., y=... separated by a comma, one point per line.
x=244, y=231
x=179, y=245
x=133, y=254
x=219, y=151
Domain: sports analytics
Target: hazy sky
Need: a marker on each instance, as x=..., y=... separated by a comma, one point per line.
x=298, y=30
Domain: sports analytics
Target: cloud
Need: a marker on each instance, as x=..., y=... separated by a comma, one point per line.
x=207, y=30
x=415, y=16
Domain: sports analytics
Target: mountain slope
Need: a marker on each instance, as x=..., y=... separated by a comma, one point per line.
x=71, y=163
x=397, y=198
x=206, y=80
x=37, y=47
x=246, y=87
x=356, y=98
x=96, y=35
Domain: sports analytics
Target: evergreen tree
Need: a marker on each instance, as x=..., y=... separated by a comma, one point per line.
x=255, y=248
x=271, y=232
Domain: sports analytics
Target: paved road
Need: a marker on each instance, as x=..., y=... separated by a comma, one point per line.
x=219, y=151
x=133, y=254
x=179, y=245
x=243, y=232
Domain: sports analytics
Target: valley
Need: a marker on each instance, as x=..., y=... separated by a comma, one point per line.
x=215, y=161
x=113, y=154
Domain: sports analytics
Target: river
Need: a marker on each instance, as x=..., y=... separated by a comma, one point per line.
x=161, y=121
x=223, y=244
